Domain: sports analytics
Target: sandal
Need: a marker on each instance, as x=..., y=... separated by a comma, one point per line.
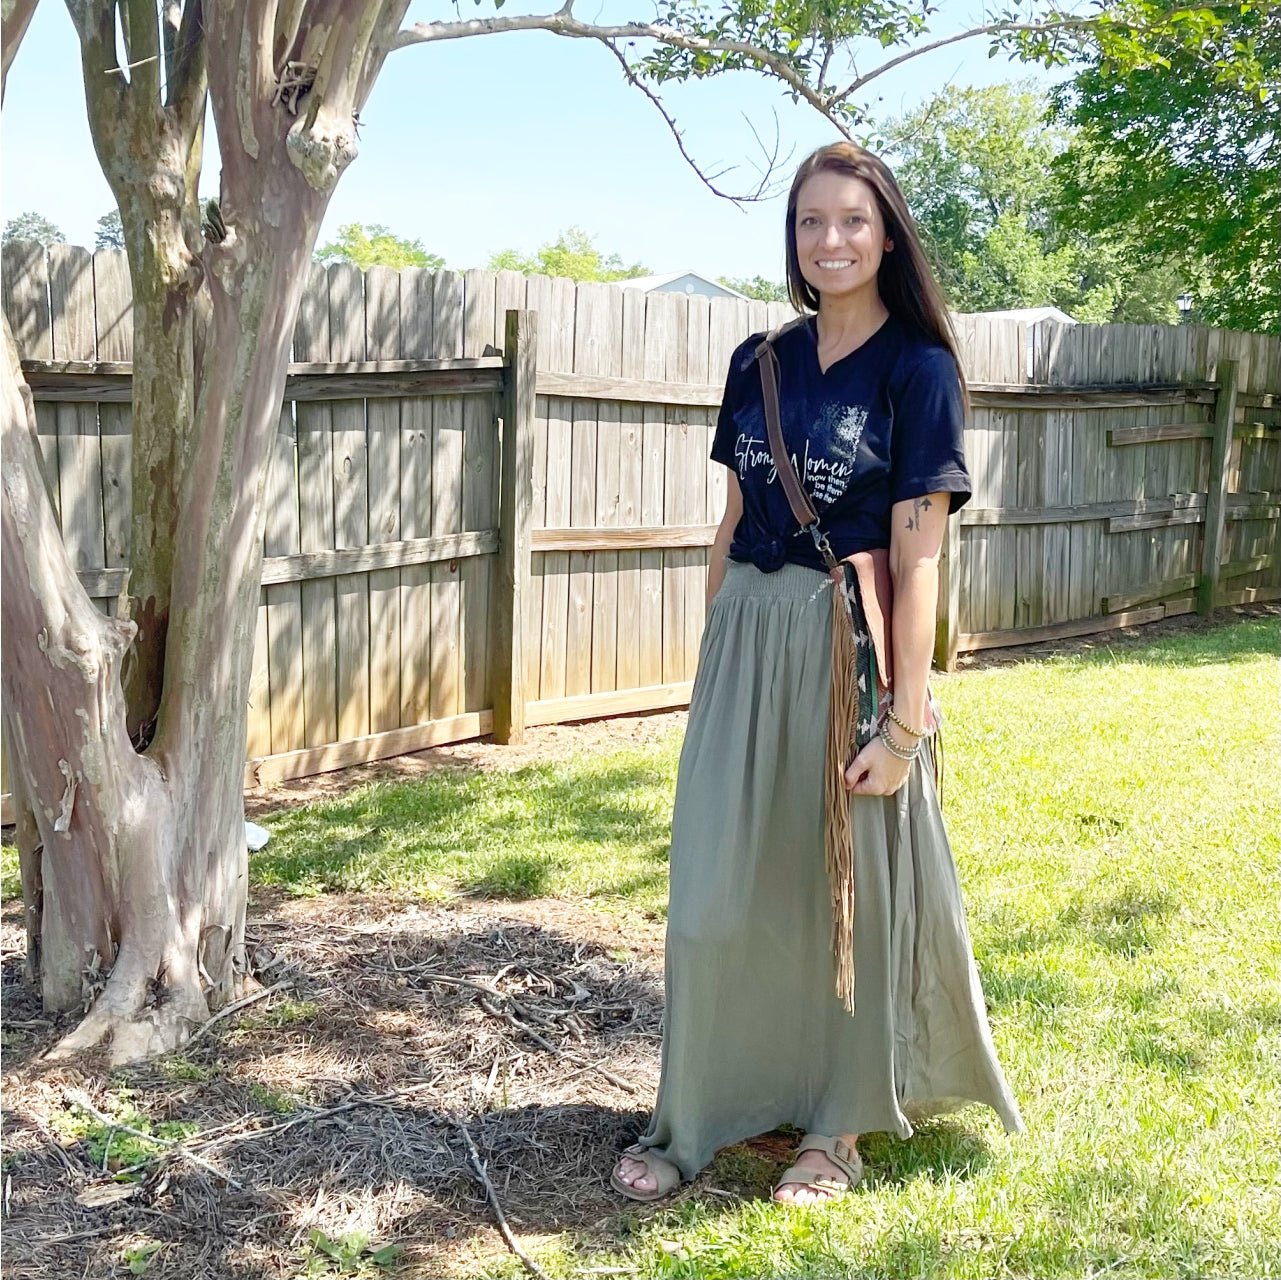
x=664, y=1173
x=840, y=1153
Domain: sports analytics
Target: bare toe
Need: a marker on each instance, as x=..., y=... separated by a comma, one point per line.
x=636, y=1174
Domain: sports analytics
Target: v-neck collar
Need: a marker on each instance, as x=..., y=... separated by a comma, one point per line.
x=811, y=327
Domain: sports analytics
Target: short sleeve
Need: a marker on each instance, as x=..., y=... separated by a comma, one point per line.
x=927, y=444
x=726, y=435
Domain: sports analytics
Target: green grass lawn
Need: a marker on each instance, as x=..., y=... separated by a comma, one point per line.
x=1115, y=818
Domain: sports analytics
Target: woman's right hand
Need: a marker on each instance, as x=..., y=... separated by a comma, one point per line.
x=876, y=772
x=724, y=536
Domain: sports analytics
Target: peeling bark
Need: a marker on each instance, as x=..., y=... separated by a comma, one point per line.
x=64, y=717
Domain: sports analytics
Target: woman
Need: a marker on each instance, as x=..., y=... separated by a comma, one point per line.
x=872, y=415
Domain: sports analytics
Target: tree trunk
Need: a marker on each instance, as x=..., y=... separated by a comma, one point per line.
x=135, y=868
x=150, y=147
x=92, y=805
x=133, y=855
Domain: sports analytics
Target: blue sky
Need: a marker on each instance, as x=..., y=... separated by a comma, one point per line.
x=502, y=141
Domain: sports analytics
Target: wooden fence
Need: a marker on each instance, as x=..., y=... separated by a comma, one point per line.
x=425, y=584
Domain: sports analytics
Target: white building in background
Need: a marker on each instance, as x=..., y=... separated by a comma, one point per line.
x=680, y=282
x=1031, y=315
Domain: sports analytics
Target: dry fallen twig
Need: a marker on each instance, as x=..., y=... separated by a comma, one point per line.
x=311, y=1115
x=529, y=1264
x=227, y=1010
x=510, y=1018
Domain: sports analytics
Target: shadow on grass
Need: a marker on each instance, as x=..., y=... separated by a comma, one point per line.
x=940, y=1150
x=502, y=835
x=1128, y=922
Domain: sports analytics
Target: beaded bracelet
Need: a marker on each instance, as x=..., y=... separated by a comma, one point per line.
x=902, y=724
x=899, y=753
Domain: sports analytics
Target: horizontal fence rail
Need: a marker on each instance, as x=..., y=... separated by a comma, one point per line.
x=490, y=503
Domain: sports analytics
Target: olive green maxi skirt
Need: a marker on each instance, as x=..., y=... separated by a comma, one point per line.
x=754, y=1034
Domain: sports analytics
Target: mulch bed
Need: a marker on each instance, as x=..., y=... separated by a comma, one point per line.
x=339, y=1102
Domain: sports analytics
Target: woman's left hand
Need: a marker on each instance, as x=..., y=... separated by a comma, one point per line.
x=875, y=772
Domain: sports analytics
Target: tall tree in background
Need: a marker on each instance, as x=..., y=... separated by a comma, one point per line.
x=977, y=168
x=1183, y=156
x=33, y=226
x=110, y=232
x=375, y=246
x=127, y=733
x=573, y=254
x=757, y=287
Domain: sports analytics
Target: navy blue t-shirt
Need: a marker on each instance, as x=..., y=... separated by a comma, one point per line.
x=884, y=423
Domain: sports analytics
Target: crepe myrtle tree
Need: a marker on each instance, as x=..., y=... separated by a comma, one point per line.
x=127, y=733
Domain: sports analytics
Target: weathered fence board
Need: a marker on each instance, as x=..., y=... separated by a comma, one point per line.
x=316, y=525
x=446, y=696
x=382, y=341
x=415, y=310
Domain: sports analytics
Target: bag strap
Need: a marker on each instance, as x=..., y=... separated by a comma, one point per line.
x=797, y=498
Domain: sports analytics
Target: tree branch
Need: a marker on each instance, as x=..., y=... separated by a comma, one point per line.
x=105, y=87
x=708, y=180
x=142, y=34
x=170, y=21
x=14, y=17
x=187, y=85
x=563, y=23
x=385, y=32
x=284, y=47
x=992, y=29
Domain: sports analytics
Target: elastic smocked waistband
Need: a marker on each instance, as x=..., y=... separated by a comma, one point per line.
x=791, y=582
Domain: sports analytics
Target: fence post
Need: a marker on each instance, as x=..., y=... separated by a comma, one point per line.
x=946, y=624
x=515, y=510
x=1216, y=501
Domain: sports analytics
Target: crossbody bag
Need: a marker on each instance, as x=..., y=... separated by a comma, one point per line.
x=862, y=603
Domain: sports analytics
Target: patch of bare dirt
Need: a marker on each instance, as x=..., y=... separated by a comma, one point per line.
x=542, y=743
x=1116, y=641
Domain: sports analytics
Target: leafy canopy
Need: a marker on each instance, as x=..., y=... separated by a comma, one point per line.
x=573, y=254
x=33, y=226
x=374, y=245
x=758, y=287
x=977, y=168
x=1184, y=152
x=110, y=233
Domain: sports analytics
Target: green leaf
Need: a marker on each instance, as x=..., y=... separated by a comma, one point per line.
x=385, y=1256
x=139, y=1259
x=321, y=1241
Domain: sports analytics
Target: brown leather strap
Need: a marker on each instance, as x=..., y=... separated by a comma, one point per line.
x=798, y=500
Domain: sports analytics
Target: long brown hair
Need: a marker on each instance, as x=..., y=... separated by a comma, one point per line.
x=905, y=279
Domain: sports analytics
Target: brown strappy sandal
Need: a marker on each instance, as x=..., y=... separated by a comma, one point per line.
x=664, y=1173
x=840, y=1153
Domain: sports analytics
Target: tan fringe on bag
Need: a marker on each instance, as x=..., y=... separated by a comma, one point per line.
x=838, y=829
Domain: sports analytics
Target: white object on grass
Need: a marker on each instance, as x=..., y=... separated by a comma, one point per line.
x=256, y=836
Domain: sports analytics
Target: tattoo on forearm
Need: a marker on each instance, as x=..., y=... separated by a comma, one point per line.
x=918, y=505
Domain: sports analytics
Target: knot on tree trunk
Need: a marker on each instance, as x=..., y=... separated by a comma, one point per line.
x=321, y=153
